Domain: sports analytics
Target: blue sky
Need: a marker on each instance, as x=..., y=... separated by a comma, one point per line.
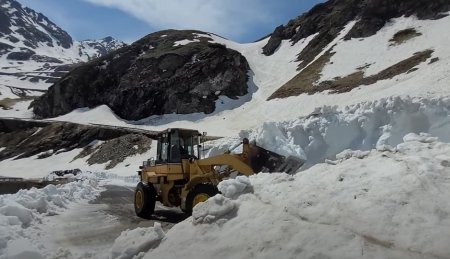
x=129, y=20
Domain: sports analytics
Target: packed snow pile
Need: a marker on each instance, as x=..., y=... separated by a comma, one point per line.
x=232, y=187
x=21, y=214
x=385, y=204
x=216, y=209
x=134, y=242
x=365, y=126
x=222, y=207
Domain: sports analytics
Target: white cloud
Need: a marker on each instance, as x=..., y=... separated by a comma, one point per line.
x=229, y=18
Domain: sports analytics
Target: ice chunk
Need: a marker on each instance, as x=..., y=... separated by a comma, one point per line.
x=348, y=153
x=422, y=137
x=133, y=242
x=22, y=213
x=22, y=249
x=216, y=209
x=231, y=188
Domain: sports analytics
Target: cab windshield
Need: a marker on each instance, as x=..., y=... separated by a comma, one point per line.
x=177, y=145
x=183, y=145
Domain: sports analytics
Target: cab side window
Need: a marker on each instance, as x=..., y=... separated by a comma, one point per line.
x=162, y=150
x=175, y=156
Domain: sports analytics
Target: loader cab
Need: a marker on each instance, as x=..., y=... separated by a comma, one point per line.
x=177, y=144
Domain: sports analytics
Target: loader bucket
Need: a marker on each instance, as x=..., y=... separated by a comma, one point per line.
x=263, y=160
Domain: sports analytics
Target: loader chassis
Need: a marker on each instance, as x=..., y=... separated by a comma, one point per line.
x=180, y=177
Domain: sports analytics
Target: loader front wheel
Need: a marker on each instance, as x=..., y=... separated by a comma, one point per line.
x=198, y=194
x=144, y=200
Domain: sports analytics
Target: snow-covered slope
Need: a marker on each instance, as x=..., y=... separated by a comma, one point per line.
x=383, y=204
x=387, y=199
x=268, y=73
x=23, y=215
x=35, y=52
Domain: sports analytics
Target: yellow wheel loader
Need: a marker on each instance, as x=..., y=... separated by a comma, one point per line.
x=180, y=177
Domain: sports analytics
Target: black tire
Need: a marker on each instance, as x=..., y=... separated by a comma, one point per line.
x=203, y=190
x=144, y=200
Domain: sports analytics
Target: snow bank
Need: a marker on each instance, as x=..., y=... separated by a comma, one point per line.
x=216, y=209
x=223, y=206
x=22, y=213
x=385, y=204
x=22, y=248
x=329, y=131
x=133, y=242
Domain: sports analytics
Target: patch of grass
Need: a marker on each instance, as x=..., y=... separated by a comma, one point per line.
x=165, y=45
x=403, y=36
x=347, y=83
x=305, y=81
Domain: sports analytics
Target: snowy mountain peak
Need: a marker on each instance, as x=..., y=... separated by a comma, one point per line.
x=28, y=35
x=23, y=26
x=95, y=48
x=35, y=52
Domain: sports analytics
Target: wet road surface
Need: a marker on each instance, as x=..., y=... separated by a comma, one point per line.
x=90, y=229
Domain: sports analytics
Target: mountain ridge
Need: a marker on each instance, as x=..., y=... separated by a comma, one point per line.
x=35, y=52
x=401, y=58
x=329, y=19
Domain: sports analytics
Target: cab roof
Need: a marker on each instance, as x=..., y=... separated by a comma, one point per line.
x=195, y=132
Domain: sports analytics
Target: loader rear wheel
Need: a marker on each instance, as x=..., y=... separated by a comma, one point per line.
x=144, y=200
x=198, y=194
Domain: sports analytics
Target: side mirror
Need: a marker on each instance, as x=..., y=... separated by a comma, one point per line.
x=151, y=162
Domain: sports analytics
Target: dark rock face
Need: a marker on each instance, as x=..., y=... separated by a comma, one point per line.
x=130, y=145
x=23, y=139
x=25, y=54
x=5, y=48
x=45, y=59
x=329, y=18
x=153, y=76
x=5, y=23
x=54, y=137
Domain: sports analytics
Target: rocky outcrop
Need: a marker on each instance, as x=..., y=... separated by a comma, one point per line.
x=24, y=54
x=165, y=72
x=130, y=145
x=329, y=18
x=5, y=48
x=22, y=138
